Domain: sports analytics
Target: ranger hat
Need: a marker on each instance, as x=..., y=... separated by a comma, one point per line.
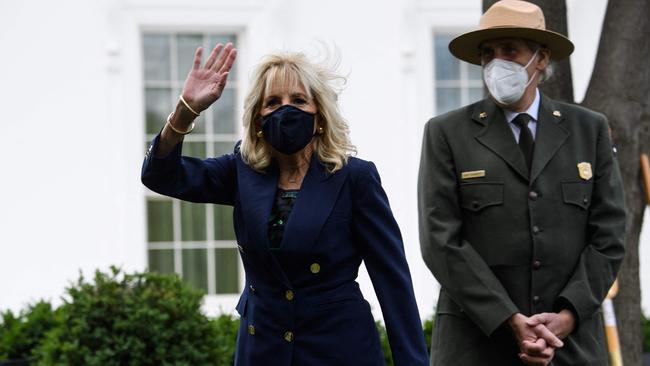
x=510, y=19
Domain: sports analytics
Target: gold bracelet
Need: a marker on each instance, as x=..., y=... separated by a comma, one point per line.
x=188, y=106
x=169, y=122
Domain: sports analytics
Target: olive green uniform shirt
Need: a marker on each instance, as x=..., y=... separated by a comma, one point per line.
x=501, y=239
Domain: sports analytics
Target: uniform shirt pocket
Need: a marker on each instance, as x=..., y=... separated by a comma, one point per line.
x=577, y=193
x=477, y=196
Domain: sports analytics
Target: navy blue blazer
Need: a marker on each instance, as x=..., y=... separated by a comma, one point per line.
x=305, y=307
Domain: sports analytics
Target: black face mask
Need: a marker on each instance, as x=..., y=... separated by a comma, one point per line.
x=288, y=129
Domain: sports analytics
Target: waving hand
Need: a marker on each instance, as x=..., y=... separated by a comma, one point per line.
x=204, y=85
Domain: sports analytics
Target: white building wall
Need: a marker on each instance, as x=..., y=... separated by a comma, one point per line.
x=63, y=163
x=73, y=109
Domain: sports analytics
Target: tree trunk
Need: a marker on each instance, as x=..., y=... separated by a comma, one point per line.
x=620, y=88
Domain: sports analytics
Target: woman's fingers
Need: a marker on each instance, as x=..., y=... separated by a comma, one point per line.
x=197, y=58
x=213, y=56
x=230, y=59
x=221, y=60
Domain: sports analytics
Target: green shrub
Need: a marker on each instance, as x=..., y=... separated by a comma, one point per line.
x=428, y=330
x=385, y=346
x=21, y=334
x=135, y=319
x=224, y=330
x=427, y=327
x=645, y=333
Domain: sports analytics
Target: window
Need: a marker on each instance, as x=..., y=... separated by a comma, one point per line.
x=457, y=83
x=196, y=241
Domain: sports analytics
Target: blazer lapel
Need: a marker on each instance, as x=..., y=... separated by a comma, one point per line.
x=497, y=136
x=257, y=192
x=550, y=136
x=313, y=205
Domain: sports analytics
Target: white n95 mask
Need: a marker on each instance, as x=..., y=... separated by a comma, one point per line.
x=507, y=80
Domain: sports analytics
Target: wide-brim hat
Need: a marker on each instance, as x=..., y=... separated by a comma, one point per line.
x=510, y=19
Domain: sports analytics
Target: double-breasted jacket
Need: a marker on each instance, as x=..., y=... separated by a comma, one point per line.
x=303, y=306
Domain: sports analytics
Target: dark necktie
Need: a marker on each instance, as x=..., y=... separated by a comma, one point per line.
x=526, y=142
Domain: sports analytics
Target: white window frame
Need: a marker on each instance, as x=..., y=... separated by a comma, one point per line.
x=463, y=82
x=127, y=93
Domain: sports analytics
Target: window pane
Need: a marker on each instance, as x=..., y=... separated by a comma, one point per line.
x=224, y=112
x=447, y=66
x=156, y=57
x=475, y=94
x=474, y=72
x=193, y=221
x=157, y=108
x=186, y=45
x=159, y=220
x=223, y=148
x=199, y=123
x=167, y=60
x=195, y=267
x=194, y=149
x=227, y=271
x=447, y=99
x=213, y=40
x=161, y=260
x=223, y=226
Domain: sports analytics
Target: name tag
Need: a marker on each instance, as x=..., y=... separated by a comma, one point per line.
x=472, y=174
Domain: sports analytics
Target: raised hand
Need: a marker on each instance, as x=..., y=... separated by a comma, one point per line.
x=204, y=86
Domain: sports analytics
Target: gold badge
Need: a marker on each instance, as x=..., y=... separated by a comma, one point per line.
x=483, y=115
x=584, y=169
x=472, y=174
x=557, y=114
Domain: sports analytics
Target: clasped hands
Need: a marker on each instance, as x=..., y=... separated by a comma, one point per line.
x=539, y=335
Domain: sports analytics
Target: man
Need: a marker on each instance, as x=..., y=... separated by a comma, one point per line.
x=521, y=208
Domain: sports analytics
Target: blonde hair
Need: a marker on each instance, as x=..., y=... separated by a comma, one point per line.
x=333, y=146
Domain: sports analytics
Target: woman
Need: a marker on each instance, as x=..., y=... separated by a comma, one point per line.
x=305, y=215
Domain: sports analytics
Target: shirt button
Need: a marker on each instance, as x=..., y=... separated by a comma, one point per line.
x=314, y=268
x=536, y=299
x=288, y=336
x=537, y=264
x=252, y=288
x=288, y=295
x=585, y=200
x=251, y=330
x=532, y=195
x=535, y=229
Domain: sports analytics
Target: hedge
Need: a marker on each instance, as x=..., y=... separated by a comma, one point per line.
x=135, y=319
x=121, y=319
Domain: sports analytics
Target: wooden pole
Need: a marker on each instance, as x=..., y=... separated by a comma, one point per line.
x=645, y=172
x=611, y=331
